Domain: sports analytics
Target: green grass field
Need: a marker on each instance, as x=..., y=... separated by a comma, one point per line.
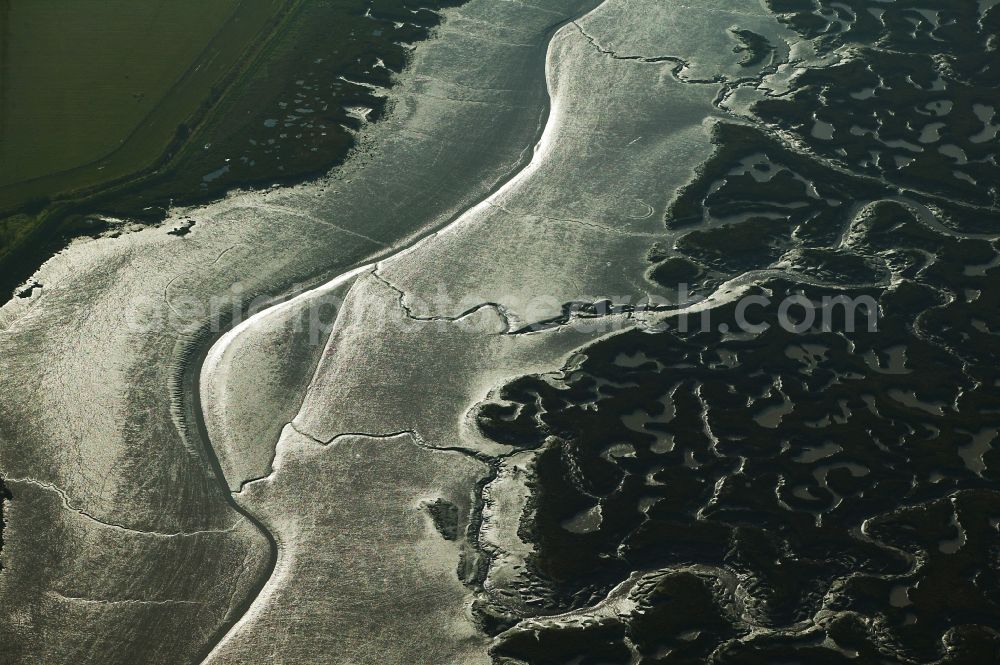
x=123, y=108
x=94, y=90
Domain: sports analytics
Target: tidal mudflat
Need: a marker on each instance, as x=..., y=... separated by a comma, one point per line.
x=127, y=110
x=490, y=393
x=100, y=424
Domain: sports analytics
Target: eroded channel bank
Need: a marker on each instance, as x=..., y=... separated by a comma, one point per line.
x=372, y=465
x=633, y=492
x=117, y=521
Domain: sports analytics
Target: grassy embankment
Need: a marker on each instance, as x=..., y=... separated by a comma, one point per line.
x=283, y=103
x=96, y=92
